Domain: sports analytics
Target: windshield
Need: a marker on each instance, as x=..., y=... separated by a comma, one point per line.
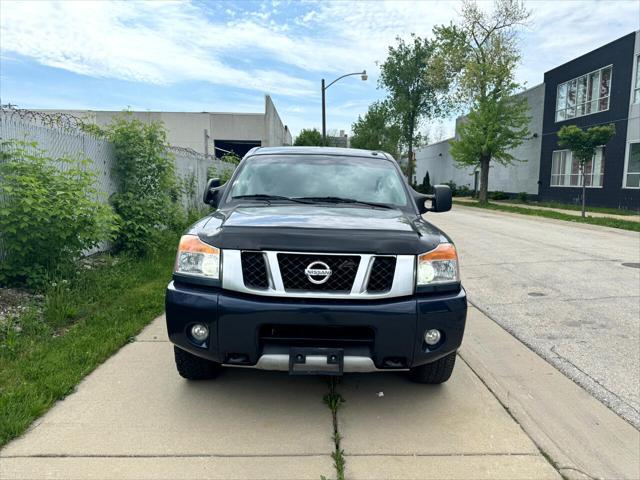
x=314, y=176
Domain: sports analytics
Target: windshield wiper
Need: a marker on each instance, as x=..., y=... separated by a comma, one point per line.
x=345, y=200
x=266, y=197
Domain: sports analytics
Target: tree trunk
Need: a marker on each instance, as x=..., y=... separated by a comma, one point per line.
x=484, y=180
x=584, y=191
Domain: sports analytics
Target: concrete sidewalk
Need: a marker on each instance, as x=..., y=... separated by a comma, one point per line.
x=134, y=417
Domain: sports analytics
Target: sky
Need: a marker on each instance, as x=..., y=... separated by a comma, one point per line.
x=224, y=56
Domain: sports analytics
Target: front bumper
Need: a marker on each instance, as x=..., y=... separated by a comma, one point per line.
x=378, y=335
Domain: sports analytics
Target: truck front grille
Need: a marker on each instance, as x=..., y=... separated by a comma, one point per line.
x=382, y=273
x=357, y=276
x=343, y=271
x=254, y=270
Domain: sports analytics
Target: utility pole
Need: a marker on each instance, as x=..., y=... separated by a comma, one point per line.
x=324, y=115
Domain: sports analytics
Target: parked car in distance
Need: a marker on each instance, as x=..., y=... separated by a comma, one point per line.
x=317, y=261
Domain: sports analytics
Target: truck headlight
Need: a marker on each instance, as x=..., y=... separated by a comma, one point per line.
x=440, y=265
x=197, y=258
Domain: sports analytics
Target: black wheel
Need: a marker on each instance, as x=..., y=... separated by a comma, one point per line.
x=435, y=372
x=195, y=368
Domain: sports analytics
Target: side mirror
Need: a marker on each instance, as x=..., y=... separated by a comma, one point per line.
x=440, y=200
x=212, y=192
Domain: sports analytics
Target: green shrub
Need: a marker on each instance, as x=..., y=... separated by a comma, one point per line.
x=147, y=201
x=231, y=157
x=51, y=212
x=453, y=187
x=523, y=197
x=426, y=187
x=223, y=173
x=498, y=195
x=464, y=191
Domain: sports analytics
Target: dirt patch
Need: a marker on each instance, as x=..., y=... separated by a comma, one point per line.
x=14, y=302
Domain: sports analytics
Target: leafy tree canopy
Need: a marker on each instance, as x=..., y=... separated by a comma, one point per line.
x=480, y=54
x=583, y=143
x=377, y=130
x=491, y=131
x=414, y=94
x=308, y=138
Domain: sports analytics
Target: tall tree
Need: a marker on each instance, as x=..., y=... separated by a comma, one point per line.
x=377, y=130
x=413, y=93
x=309, y=137
x=480, y=54
x=583, y=145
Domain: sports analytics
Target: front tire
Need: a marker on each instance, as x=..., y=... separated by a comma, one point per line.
x=193, y=367
x=436, y=372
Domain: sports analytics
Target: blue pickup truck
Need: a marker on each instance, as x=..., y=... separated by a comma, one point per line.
x=317, y=261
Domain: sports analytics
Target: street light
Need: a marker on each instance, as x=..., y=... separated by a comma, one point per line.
x=363, y=76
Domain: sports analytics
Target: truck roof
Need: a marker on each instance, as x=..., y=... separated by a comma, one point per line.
x=343, y=152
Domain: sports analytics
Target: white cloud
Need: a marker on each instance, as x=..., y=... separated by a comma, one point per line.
x=284, y=50
x=159, y=42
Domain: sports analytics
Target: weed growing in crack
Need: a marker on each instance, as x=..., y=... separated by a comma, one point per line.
x=334, y=400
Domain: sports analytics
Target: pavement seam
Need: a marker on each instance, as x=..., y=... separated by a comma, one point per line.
x=479, y=454
x=513, y=417
x=550, y=359
x=620, y=399
x=179, y=455
x=282, y=455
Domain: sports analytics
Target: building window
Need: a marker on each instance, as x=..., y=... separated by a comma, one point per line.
x=584, y=95
x=565, y=170
x=636, y=91
x=632, y=169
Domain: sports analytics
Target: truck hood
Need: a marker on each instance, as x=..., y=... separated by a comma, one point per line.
x=319, y=216
x=319, y=228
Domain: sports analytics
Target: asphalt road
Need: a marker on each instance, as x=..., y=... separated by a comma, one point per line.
x=563, y=290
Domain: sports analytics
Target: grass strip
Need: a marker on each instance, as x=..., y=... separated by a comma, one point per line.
x=334, y=400
x=600, y=221
x=45, y=352
x=578, y=208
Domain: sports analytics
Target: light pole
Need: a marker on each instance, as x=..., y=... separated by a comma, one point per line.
x=363, y=76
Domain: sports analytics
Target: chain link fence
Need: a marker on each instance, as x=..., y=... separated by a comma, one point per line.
x=61, y=136
x=67, y=140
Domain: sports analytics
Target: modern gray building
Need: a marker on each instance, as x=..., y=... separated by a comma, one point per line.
x=209, y=132
x=519, y=177
x=598, y=88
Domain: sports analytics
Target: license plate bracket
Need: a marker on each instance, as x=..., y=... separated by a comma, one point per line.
x=316, y=361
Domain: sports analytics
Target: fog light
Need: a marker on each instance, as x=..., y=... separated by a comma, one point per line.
x=432, y=337
x=199, y=332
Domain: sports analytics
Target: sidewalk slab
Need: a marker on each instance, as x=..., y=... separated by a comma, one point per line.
x=394, y=429
x=156, y=331
x=583, y=437
x=460, y=417
x=168, y=468
x=448, y=467
x=136, y=404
